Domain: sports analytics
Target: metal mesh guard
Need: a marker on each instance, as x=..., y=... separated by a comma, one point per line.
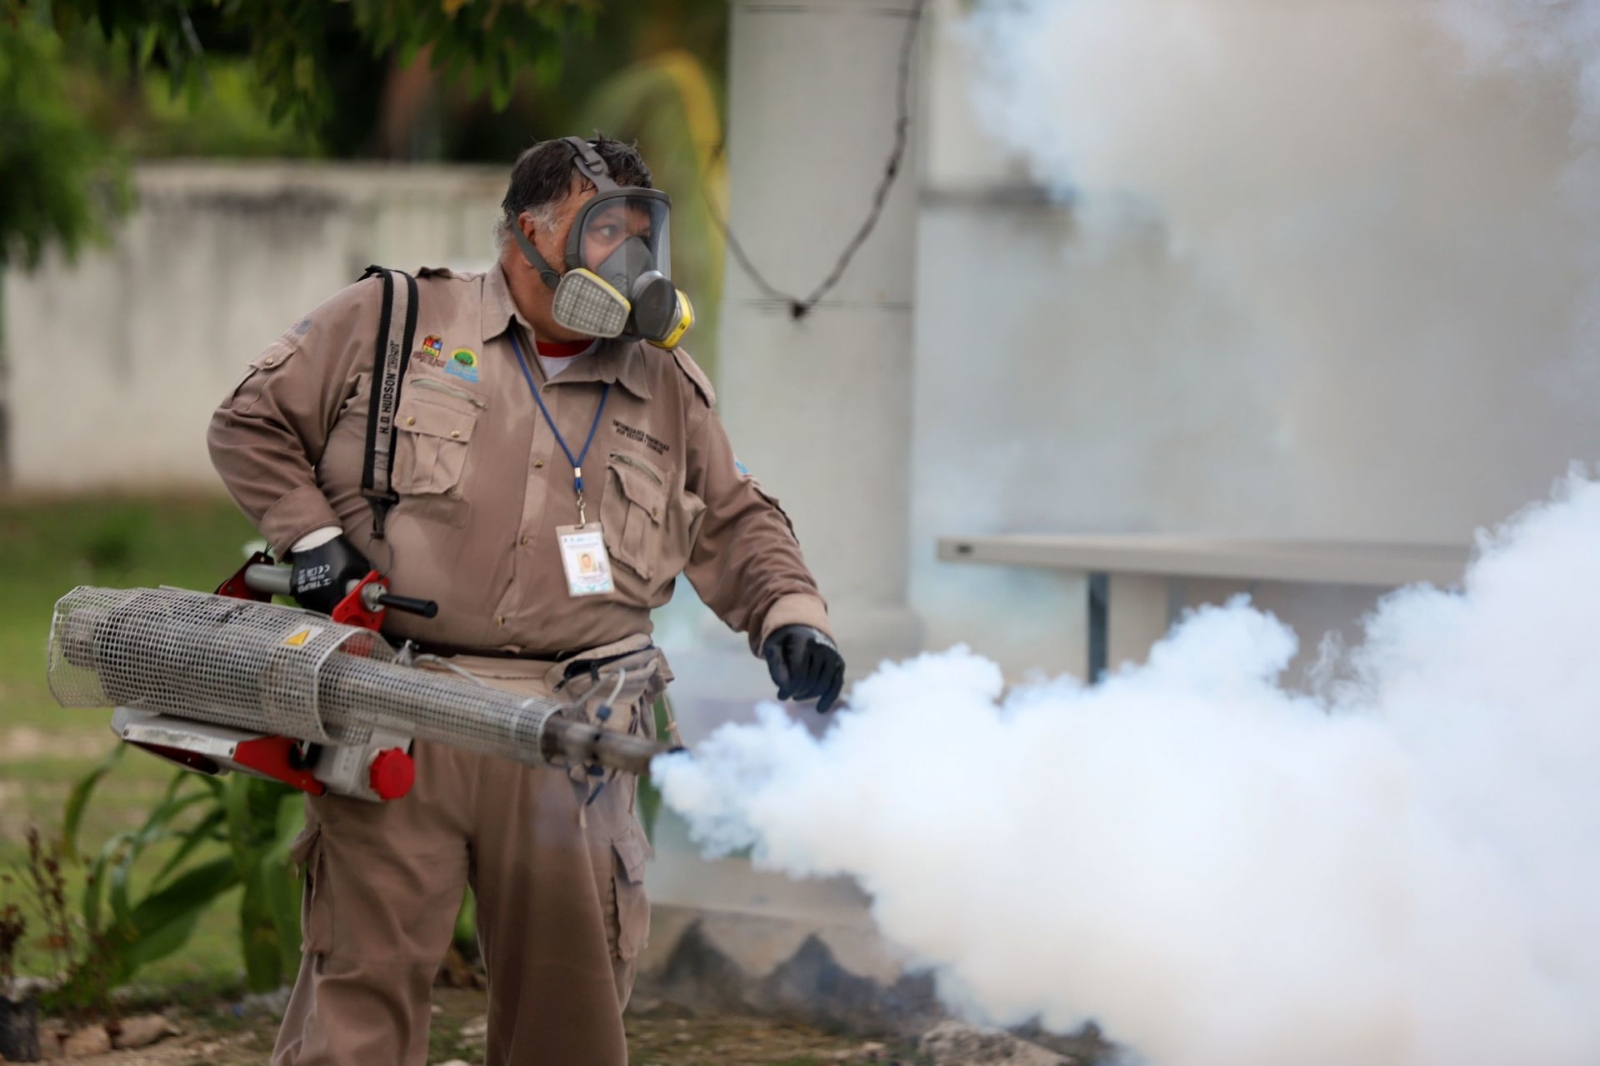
x=267, y=668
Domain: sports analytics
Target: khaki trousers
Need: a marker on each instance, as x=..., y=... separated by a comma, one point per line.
x=562, y=912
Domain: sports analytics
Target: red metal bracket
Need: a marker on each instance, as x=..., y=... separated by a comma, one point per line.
x=272, y=756
x=235, y=587
x=353, y=610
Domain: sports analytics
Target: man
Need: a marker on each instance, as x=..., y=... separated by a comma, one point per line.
x=518, y=443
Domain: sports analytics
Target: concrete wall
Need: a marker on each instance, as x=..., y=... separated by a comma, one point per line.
x=819, y=407
x=1078, y=378
x=116, y=363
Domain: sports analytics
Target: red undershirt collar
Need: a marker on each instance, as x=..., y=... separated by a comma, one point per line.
x=561, y=349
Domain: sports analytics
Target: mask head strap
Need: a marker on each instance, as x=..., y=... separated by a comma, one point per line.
x=587, y=161
x=535, y=260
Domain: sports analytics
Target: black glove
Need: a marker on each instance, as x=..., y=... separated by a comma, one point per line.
x=321, y=574
x=804, y=665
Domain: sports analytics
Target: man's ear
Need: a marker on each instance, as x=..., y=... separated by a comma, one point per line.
x=529, y=254
x=543, y=239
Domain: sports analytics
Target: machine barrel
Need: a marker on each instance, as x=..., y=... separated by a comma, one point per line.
x=274, y=669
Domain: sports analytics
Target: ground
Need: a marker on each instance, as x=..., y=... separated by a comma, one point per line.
x=658, y=1035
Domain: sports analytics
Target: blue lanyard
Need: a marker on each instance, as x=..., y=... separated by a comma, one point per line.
x=577, y=462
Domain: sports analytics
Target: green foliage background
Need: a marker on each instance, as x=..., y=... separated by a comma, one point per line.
x=51, y=546
x=87, y=86
x=57, y=180
x=90, y=87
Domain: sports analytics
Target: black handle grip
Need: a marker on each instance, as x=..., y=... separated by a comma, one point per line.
x=409, y=604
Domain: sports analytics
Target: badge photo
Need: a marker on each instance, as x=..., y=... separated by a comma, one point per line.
x=584, y=558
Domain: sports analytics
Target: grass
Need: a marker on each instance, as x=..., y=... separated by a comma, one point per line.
x=50, y=546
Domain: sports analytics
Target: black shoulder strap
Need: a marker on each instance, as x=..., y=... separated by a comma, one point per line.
x=390, y=358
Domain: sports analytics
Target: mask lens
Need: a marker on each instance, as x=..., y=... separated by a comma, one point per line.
x=585, y=304
x=626, y=234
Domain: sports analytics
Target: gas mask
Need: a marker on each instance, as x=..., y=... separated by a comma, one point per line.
x=618, y=260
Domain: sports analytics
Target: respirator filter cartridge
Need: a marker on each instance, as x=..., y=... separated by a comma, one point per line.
x=585, y=304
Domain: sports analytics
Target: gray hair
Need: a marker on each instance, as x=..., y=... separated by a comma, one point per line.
x=543, y=177
x=544, y=218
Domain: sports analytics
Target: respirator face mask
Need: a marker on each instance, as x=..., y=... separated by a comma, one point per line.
x=618, y=258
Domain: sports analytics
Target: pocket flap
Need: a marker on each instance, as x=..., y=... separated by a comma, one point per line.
x=641, y=484
x=434, y=420
x=633, y=852
x=276, y=354
x=305, y=845
x=316, y=901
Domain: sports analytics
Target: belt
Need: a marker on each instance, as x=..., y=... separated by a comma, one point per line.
x=447, y=650
x=590, y=666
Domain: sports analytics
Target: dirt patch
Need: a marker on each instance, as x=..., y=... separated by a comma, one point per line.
x=720, y=1040
x=658, y=1035
x=14, y=815
x=199, y=1043
x=23, y=742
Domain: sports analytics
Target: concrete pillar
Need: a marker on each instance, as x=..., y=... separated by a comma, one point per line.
x=819, y=407
x=1139, y=610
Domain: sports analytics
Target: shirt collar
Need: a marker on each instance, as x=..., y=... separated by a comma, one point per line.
x=614, y=361
x=499, y=309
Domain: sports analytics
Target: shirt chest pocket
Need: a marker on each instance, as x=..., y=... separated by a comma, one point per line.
x=432, y=443
x=649, y=528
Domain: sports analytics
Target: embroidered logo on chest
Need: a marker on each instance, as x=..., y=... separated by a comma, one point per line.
x=639, y=436
x=463, y=364
x=431, y=352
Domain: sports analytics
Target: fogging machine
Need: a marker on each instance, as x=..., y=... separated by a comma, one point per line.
x=234, y=682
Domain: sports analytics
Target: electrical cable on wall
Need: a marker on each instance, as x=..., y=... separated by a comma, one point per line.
x=798, y=307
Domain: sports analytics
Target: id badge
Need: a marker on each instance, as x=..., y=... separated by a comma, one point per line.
x=584, y=558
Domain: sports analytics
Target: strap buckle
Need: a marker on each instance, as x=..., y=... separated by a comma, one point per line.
x=381, y=502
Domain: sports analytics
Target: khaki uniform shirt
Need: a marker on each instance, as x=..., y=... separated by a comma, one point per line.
x=483, y=483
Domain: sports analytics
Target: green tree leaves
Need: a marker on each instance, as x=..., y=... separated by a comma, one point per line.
x=59, y=183
x=293, y=44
